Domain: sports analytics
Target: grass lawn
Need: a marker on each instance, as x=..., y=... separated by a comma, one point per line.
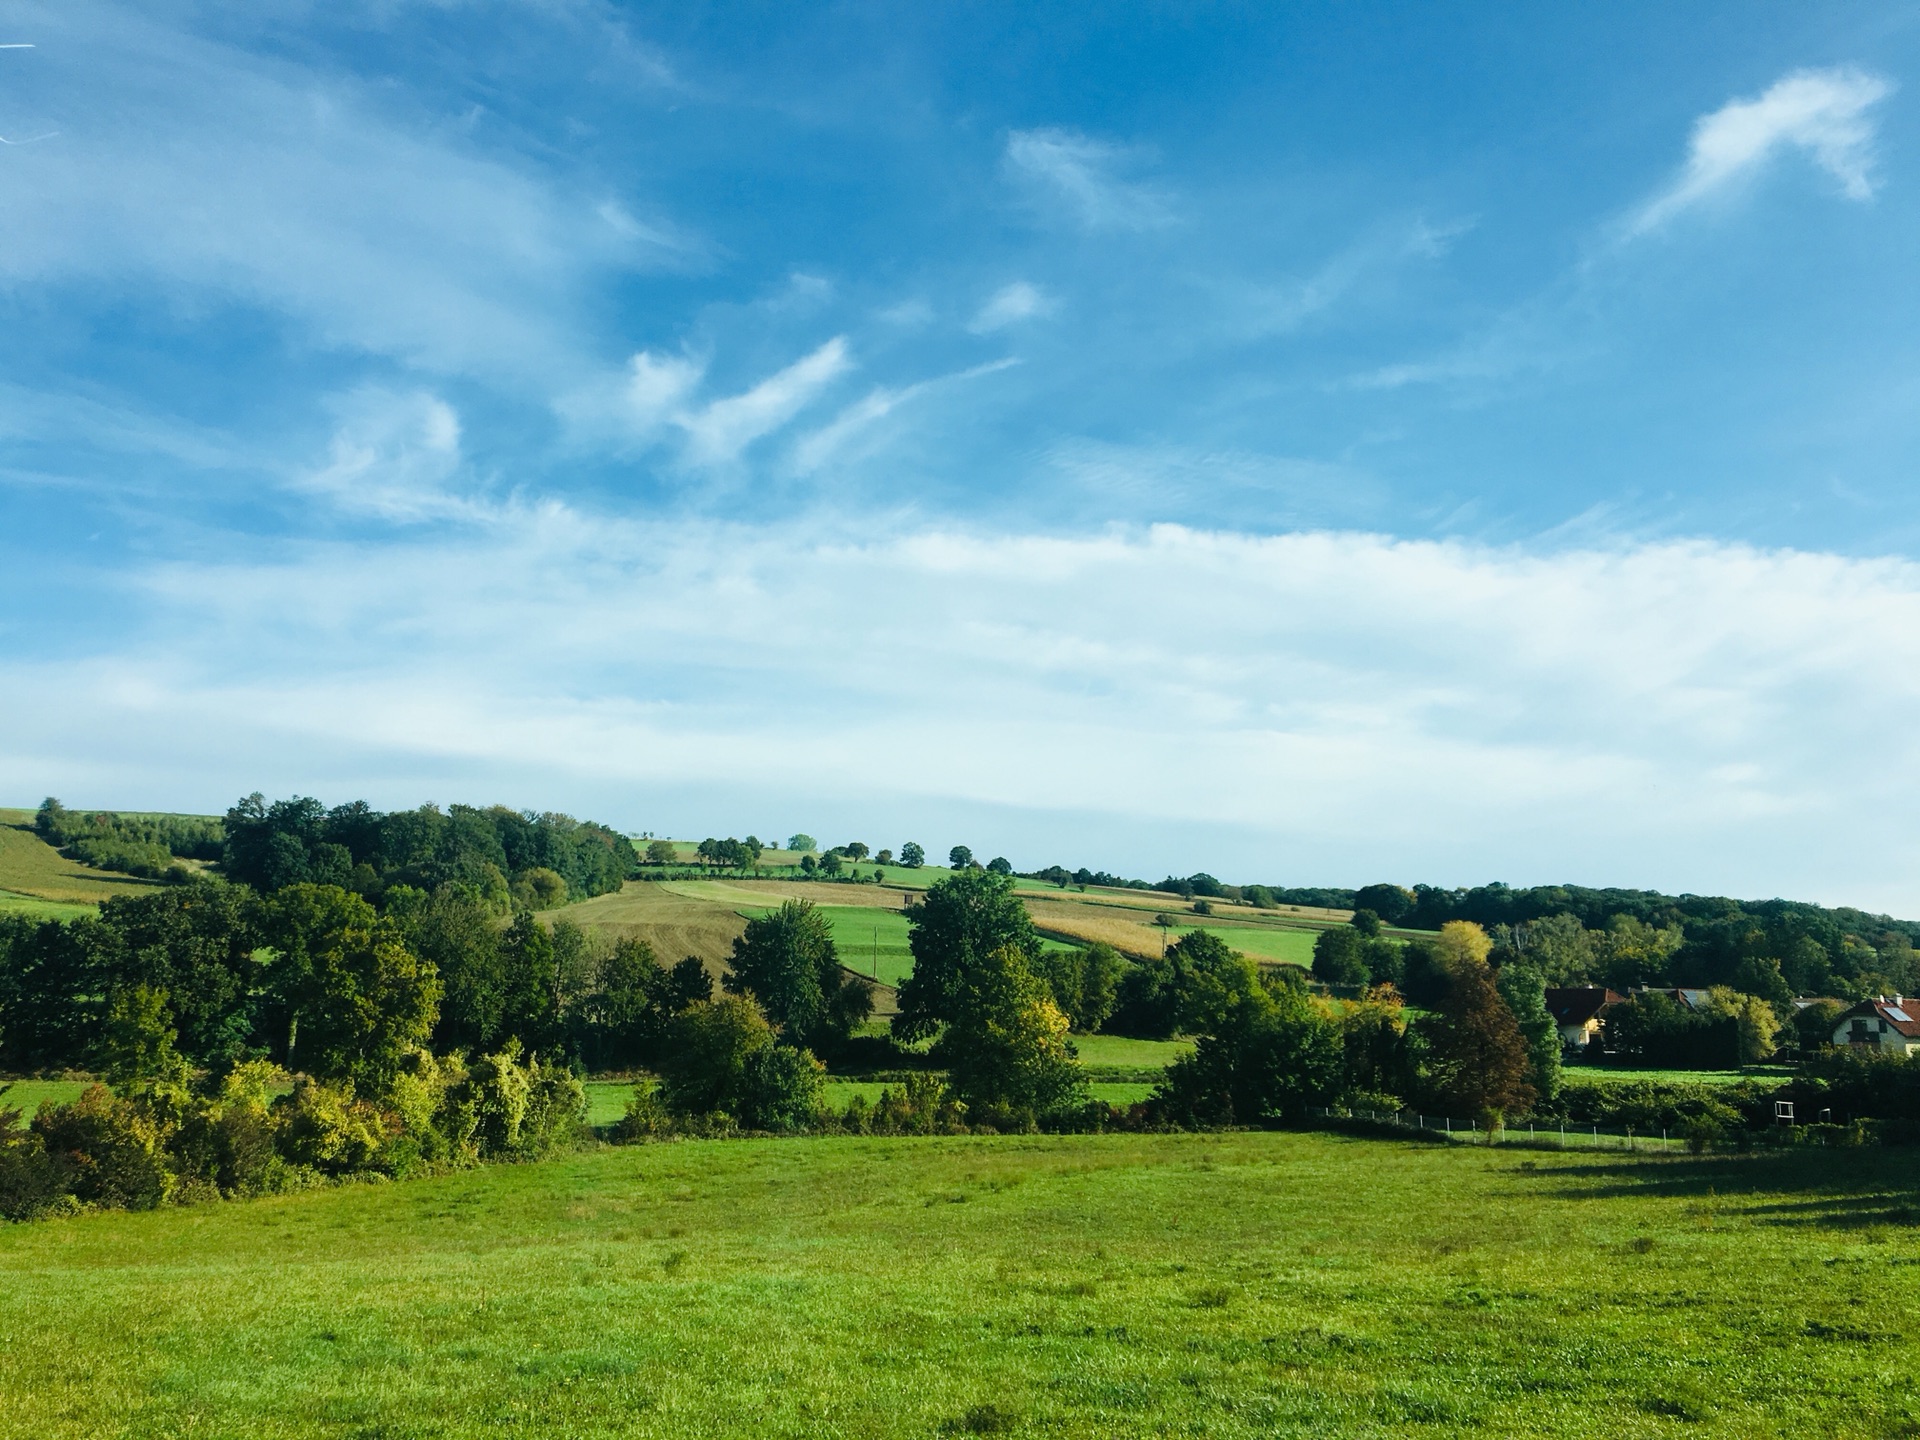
x=1608, y=1075
x=1220, y=1286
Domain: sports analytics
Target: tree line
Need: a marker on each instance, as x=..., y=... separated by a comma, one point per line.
x=152, y=847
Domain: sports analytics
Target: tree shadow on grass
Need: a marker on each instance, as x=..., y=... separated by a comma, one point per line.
x=1833, y=1189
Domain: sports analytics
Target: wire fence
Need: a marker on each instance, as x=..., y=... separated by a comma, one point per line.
x=1555, y=1136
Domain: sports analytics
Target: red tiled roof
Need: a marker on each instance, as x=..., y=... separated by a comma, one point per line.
x=1902, y=1014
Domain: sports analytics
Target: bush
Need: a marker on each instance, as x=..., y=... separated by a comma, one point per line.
x=556, y=1114
x=780, y=1089
x=922, y=1107
x=110, y=1150
x=646, y=1117
x=324, y=1128
x=230, y=1141
x=31, y=1184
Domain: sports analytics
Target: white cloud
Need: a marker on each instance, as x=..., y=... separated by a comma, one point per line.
x=658, y=388
x=660, y=394
x=720, y=431
x=191, y=169
x=1085, y=174
x=833, y=440
x=1821, y=112
x=395, y=456
x=1328, y=706
x=1010, y=305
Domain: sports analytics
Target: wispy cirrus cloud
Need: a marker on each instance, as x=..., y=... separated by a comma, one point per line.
x=196, y=171
x=1822, y=113
x=395, y=456
x=838, y=436
x=1009, y=305
x=662, y=399
x=718, y=431
x=1088, y=178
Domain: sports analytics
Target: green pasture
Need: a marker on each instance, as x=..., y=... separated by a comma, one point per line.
x=28, y=1096
x=1285, y=947
x=1601, y=1075
x=1235, y=1285
x=871, y=940
x=12, y=904
x=1109, y=1053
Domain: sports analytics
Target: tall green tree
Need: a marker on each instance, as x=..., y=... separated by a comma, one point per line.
x=455, y=931
x=1266, y=1056
x=787, y=961
x=1525, y=991
x=359, y=1001
x=723, y=1058
x=530, y=1008
x=197, y=942
x=1005, y=1045
x=52, y=982
x=1084, y=982
x=138, y=1041
x=961, y=920
x=1182, y=992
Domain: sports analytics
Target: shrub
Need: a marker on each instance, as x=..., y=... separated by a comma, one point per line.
x=540, y=888
x=723, y=1061
x=780, y=1089
x=556, y=1114
x=646, y=1117
x=495, y=1094
x=110, y=1150
x=31, y=1183
x=922, y=1107
x=230, y=1140
x=326, y=1129
x=423, y=1096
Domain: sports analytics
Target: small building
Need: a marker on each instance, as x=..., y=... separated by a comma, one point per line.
x=1889, y=1024
x=1576, y=1011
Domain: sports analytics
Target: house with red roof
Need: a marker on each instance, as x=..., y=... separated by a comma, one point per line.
x=1889, y=1024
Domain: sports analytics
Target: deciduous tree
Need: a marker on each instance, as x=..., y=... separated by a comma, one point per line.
x=961, y=920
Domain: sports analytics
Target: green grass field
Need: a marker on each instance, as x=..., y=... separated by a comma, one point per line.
x=1287, y=947
x=1117, y=1052
x=35, y=877
x=33, y=905
x=28, y=1096
x=1608, y=1075
x=1220, y=1286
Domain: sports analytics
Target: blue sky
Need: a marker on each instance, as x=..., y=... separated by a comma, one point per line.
x=1313, y=444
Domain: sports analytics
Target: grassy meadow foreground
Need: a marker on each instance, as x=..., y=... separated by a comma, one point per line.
x=1237, y=1284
